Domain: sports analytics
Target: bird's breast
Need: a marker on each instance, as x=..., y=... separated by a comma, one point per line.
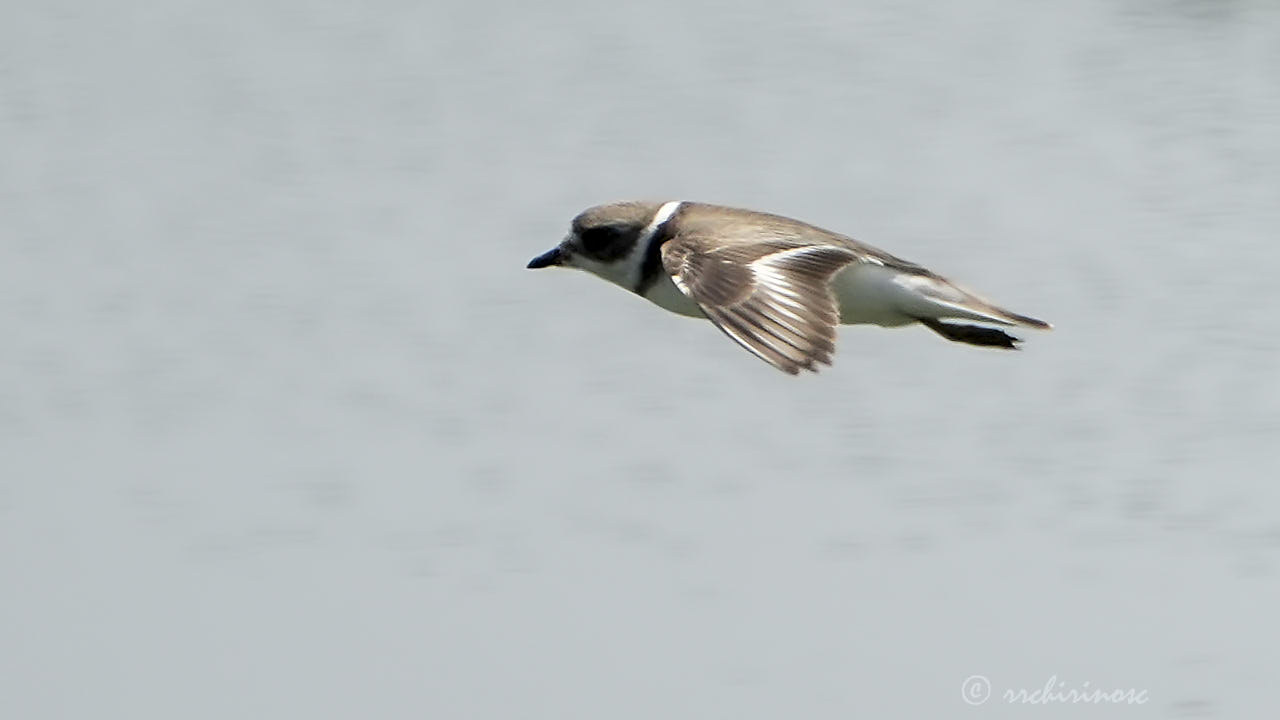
x=667, y=296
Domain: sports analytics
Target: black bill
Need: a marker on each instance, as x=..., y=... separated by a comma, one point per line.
x=546, y=259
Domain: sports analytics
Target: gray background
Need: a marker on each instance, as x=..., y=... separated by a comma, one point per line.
x=287, y=430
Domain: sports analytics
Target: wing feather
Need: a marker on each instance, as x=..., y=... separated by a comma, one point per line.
x=771, y=297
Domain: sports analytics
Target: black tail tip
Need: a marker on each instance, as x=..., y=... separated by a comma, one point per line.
x=973, y=334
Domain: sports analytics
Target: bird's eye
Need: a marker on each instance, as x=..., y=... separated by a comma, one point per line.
x=598, y=240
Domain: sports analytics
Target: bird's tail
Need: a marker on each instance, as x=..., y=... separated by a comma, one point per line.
x=939, y=304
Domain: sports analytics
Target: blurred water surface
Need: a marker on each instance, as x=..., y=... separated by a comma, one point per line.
x=286, y=429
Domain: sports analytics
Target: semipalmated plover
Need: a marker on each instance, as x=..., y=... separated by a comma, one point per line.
x=777, y=286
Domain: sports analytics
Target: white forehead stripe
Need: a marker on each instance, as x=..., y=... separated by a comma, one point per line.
x=664, y=214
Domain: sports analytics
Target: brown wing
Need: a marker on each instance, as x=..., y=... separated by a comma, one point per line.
x=772, y=298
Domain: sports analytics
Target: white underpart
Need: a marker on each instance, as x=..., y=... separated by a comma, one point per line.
x=667, y=296
x=869, y=294
x=878, y=295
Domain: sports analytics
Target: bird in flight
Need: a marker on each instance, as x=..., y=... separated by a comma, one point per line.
x=777, y=286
